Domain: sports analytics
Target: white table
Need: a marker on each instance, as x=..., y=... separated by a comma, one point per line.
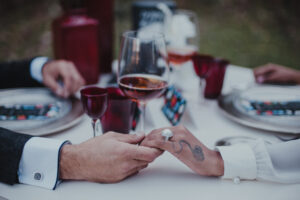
x=167, y=178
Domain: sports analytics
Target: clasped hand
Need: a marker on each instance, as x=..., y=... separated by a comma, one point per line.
x=112, y=157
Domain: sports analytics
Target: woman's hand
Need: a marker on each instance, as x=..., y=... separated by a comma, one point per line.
x=272, y=73
x=187, y=148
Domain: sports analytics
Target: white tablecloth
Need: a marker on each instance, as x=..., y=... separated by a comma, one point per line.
x=167, y=178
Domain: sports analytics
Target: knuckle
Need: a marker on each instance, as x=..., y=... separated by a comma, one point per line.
x=60, y=62
x=137, y=154
x=151, y=157
x=65, y=62
x=158, y=142
x=181, y=130
x=112, y=133
x=180, y=136
x=181, y=127
x=151, y=136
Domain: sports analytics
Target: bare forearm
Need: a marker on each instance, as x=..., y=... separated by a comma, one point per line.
x=199, y=158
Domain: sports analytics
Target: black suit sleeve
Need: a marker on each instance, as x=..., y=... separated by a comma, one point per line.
x=11, y=148
x=16, y=74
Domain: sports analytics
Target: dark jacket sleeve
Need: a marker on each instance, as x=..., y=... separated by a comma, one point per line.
x=11, y=148
x=16, y=74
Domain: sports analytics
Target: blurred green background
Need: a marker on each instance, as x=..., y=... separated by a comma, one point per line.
x=247, y=32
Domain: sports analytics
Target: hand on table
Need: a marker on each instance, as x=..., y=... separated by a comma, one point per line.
x=65, y=71
x=107, y=158
x=187, y=148
x=272, y=73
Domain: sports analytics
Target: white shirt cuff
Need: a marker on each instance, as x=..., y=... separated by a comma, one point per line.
x=36, y=67
x=39, y=164
x=239, y=161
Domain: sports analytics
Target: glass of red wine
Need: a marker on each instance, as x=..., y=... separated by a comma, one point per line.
x=94, y=102
x=143, y=70
x=202, y=65
x=120, y=112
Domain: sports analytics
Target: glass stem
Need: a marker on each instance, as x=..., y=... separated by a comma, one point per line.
x=94, y=127
x=142, y=117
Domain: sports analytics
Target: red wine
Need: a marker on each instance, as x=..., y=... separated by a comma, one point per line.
x=94, y=101
x=120, y=112
x=202, y=64
x=142, y=87
x=180, y=55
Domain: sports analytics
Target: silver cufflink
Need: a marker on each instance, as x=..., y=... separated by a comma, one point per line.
x=37, y=176
x=167, y=133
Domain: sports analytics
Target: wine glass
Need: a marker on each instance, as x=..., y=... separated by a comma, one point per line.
x=143, y=71
x=182, y=37
x=94, y=102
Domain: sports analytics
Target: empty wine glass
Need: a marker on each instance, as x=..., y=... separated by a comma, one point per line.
x=94, y=102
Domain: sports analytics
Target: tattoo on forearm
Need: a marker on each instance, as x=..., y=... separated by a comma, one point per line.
x=197, y=151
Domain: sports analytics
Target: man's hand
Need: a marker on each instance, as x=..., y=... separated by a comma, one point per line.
x=107, y=158
x=65, y=71
x=272, y=73
x=187, y=148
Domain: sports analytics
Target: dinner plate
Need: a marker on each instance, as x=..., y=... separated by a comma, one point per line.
x=70, y=111
x=232, y=107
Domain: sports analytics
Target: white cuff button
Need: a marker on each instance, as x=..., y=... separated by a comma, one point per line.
x=237, y=180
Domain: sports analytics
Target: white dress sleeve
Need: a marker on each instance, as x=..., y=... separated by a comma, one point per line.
x=36, y=67
x=277, y=162
x=39, y=164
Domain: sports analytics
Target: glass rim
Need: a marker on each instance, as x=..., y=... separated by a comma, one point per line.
x=105, y=92
x=159, y=34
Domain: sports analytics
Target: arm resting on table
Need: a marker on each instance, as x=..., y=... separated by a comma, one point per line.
x=39, y=165
x=29, y=160
x=11, y=148
x=277, y=162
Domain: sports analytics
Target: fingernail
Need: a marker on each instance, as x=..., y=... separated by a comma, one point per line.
x=260, y=79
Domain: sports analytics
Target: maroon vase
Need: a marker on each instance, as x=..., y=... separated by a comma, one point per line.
x=103, y=11
x=75, y=38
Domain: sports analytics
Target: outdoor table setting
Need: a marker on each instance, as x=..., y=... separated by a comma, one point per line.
x=160, y=80
x=167, y=177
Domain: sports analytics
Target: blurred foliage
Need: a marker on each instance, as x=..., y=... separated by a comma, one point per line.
x=247, y=32
x=26, y=28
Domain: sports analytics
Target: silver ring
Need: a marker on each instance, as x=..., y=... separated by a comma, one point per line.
x=167, y=134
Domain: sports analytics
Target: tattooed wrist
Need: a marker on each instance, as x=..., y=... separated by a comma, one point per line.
x=197, y=151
